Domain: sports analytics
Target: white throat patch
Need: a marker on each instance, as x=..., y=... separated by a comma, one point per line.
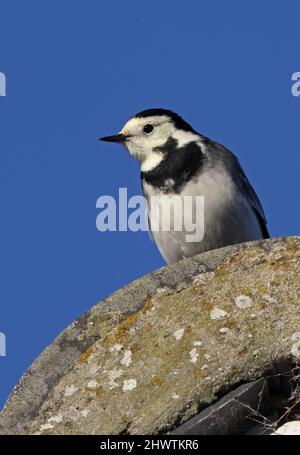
x=151, y=161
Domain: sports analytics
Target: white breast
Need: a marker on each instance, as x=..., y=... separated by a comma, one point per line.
x=228, y=217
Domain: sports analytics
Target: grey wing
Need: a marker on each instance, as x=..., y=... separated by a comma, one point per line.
x=247, y=189
x=243, y=184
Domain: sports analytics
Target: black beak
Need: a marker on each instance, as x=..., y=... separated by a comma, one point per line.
x=114, y=138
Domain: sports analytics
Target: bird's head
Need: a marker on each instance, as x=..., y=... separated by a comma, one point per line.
x=145, y=134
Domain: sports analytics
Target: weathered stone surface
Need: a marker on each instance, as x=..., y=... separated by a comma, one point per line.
x=150, y=356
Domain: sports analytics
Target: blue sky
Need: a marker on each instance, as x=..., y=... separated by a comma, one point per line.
x=78, y=70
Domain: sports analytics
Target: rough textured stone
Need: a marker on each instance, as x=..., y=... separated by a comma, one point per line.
x=156, y=352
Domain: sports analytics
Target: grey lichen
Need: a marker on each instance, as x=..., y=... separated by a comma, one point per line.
x=158, y=365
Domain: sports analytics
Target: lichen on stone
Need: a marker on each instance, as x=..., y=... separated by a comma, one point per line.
x=155, y=367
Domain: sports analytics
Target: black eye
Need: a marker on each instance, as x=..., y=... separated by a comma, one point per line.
x=148, y=128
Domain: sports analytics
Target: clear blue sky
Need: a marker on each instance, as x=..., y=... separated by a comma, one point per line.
x=76, y=70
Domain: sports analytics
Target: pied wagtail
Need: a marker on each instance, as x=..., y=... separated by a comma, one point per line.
x=177, y=160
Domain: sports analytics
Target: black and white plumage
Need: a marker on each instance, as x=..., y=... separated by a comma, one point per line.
x=176, y=160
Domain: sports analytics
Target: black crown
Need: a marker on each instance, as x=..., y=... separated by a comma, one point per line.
x=178, y=121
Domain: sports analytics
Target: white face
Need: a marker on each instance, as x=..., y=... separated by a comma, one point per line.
x=146, y=134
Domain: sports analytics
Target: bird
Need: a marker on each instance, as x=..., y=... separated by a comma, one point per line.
x=176, y=161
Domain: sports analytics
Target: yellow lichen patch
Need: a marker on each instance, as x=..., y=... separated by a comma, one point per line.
x=86, y=354
x=231, y=324
x=261, y=289
x=148, y=305
x=98, y=391
x=219, y=276
x=122, y=328
x=283, y=262
x=157, y=381
x=197, y=372
x=101, y=325
x=135, y=348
